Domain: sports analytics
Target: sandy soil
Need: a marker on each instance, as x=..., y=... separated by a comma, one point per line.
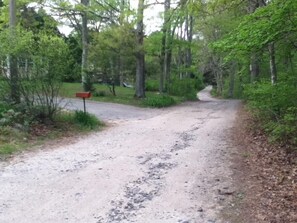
x=164, y=166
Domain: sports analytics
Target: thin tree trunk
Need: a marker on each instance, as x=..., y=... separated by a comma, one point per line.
x=85, y=49
x=273, y=71
x=254, y=67
x=167, y=54
x=189, y=31
x=121, y=68
x=253, y=5
x=140, y=58
x=180, y=54
x=162, y=58
x=164, y=50
x=12, y=59
x=232, y=79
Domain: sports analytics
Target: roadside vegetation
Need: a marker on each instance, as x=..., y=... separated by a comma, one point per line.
x=19, y=131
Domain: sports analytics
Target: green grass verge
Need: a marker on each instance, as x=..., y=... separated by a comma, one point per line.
x=66, y=124
x=159, y=101
x=123, y=95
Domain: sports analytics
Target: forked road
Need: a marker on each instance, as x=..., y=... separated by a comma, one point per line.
x=162, y=166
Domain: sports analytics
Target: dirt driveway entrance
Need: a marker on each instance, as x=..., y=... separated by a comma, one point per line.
x=165, y=166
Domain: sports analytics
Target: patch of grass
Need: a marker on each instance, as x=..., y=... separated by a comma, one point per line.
x=7, y=149
x=159, y=101
x=86, y=120
x=66, y=124
x=152, y=85
x=78, y=120
x=11, y=140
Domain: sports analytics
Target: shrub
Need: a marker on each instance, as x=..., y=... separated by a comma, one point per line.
x=185, y=88
x=10, y=117
x=152, y=85
x=86, y=120
x=276, y=107
x=159, y=101
x=3, y=108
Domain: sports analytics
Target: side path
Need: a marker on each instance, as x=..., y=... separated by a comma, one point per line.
x=171, y=167
x=111, y=111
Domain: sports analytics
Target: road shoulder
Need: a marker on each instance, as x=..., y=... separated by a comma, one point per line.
x=265, y=175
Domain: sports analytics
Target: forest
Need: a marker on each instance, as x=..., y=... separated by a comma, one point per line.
x=245, y=49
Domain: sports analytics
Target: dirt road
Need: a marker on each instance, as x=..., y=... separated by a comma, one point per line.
x=171, y=166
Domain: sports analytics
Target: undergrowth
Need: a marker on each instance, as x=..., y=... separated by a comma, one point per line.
x=275, y=106
x=14, y=137
x=158, y=101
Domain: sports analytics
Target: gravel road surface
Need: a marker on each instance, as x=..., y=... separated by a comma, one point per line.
x=150, y=166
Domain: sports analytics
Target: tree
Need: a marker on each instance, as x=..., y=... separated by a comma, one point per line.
x=12, y=59
x=140, y=58
x=86, y=82
x=165, y=53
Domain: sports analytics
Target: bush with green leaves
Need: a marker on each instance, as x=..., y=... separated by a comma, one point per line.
x=86, y=120
x=42, y=61
x=186, y=88
x=10, y=117
x=158, y=101
x=276, y=107
x=4, y=107
x=152, y=85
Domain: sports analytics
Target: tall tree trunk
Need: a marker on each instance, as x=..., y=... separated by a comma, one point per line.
x=273, y=71
x=180, y=53
x=164, y=49
x=86, y=82
x=120, y=70
x=218, y=73
x=232, y=79
x=162, y=58
x=12, y=59
x=189, y=31
x=167, y=53
x=254, y=67
x=140, y=59
x=253, y=5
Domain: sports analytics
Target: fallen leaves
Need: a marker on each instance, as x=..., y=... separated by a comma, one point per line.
x=268, y=175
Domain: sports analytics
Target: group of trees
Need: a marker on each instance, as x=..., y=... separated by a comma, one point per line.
x=250, y=49
x=108, y=42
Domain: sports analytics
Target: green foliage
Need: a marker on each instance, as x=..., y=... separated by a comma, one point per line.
x=112, y=53
x=11, y=140
x=158, y=101
x=275, y=105
x=152, y=85
x=10, y=117
x=186, y=88
x=99, y=94
x=73, y=71
x=4, y=107
x=7, y=149
x=20, y=44
x=86, y=120
x=267, y=24
x=284, y=130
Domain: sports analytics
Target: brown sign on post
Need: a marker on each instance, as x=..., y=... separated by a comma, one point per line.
x=83, y=95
